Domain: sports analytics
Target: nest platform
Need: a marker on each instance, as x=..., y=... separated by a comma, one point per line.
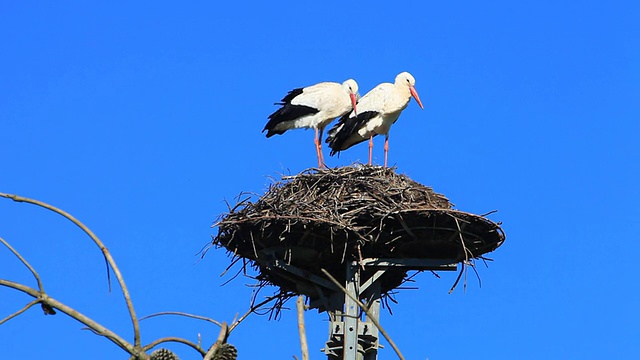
x=323, y=218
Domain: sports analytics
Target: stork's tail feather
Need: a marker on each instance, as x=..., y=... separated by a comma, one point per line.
x=271, y=132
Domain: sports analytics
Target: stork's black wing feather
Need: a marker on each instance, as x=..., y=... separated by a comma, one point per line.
x=287, y=112
x=346, y=127
x=290, y=95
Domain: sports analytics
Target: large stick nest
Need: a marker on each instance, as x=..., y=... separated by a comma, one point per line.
x=324, y=218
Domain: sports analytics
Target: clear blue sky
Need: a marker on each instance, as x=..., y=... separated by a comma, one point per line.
x=141, y=119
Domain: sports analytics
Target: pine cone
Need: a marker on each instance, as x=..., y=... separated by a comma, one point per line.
x=226, y=352
x=164, y=354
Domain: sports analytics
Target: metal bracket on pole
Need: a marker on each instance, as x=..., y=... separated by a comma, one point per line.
x=350, y=336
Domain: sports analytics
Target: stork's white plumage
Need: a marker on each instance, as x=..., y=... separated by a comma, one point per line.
x=378, y=110
x=313, y=107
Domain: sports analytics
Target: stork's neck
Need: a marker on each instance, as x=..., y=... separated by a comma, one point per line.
x=403, y=95
x=403, y=90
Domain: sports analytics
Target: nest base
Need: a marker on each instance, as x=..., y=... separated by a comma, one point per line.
x=326, y=218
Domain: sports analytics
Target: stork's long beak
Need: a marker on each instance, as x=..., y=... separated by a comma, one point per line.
x=414, y=93
x=353, y=102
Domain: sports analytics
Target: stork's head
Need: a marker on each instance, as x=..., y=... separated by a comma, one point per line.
x=351, y=87
x=406, y=79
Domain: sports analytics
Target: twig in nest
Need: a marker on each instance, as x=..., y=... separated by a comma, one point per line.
x=240, y=202
x=464, y=247
x=384, y=301
x=457, y=279
x=233, y=262
x=473, y=266
x=252, y=309
x=489, y=213
x=484, y=260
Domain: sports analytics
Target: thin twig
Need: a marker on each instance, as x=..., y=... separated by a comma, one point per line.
x=103, y=248
x=365, y=308
x=489, y=213
x=251, y=310
x=35, y=274
x=233, y=262
x=458, y=278
x=360, y=261
x=473, y=266
x=176, y=340
x=236, y=274
x=182, y=314
x=25, y=308
x=467, y=252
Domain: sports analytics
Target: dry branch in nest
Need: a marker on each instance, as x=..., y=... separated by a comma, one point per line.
x=323, y=218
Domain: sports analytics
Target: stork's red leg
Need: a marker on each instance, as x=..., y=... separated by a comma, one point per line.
x=370, y=149
x=321, y=158
x=317, y=143
x=386, y=149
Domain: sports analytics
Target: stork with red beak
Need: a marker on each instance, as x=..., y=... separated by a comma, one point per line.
x=313, y=107
x=379, y=109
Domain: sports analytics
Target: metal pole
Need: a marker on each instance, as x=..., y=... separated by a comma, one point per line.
x=350, y=337
x=350, y=317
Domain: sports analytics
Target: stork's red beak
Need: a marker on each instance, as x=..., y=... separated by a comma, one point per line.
x=414, y=93
x=353, y=102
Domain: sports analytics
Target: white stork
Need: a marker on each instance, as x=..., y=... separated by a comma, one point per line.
x=379, y=109
x=313, y=107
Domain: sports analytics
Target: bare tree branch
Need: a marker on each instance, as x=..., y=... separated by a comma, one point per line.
x=176, y=340
x=93, y=325
x=136, y=351
x=182, y=314
x=365, y=308
x=17, y=254
x=222, y=338
x=103, y=248
x=301, y=329
x=50, y=303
